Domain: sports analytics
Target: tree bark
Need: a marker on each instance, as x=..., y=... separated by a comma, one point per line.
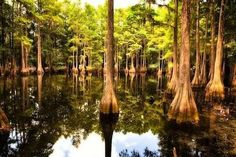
x=234, y=76
x=109, y=102
x=216, y=87
x=132, y=69
x=174, y=79
x=183, y=107
x=212, y=56
x=4, y=122
x=2, y=43
x=196, y=80
x=39, y=54
x=203, y=77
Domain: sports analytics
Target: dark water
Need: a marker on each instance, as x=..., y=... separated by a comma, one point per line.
x=58, y=116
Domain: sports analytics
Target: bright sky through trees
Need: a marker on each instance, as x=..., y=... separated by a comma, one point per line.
x=118, y=3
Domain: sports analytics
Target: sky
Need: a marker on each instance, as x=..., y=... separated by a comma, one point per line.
x=94, y=146
x=118, y=3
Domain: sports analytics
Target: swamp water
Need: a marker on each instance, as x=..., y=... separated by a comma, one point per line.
x=58, y=116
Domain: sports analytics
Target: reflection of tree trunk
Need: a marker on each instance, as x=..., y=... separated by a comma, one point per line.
x=131, y=81
x=216, y=86
x=143, y=77
x=108, y=124
x=40, y=80
x=173, y=82
x=196, y=81
x=24, y=81
x=75, y=84
x=183, y=107
x=109, y=102
x=126, y=80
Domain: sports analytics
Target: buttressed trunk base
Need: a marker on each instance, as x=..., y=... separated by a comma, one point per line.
x=183, y=108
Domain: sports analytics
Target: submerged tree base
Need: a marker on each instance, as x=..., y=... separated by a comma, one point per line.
x=24, y=72
x=143, y=70
x=183, y=108
x=132, y=70
x=40, y=72
x=109, y=102
x=75, y=71
x=215, y=90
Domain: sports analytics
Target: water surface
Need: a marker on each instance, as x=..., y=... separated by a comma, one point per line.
x=58, y=116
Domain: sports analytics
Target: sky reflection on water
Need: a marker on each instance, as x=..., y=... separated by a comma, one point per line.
x=93, y=145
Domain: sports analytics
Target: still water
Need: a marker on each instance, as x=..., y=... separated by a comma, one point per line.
x=58, y=116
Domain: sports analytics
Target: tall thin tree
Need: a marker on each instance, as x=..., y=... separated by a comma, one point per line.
x=109, y=102
x=216, y=86
x=183, y=107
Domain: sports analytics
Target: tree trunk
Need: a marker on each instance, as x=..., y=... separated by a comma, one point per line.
x=174, y=79
x=196, y=80
x=13, y=58
x=73, y=60
x=132, y=69
x=203, y=77
x=4, y=122
x=216, y=87
x=76, y=59
x=212, y=56
x=109, y=102
x=127, y=61
x=24, y=70
x=183, y=107
x=2, y=43
x=234, y=76
x=39, y=54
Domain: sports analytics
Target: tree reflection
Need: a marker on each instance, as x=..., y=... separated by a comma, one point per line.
x=34, y=130
x=108, y=124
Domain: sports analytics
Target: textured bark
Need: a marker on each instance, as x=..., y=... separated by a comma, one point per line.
x=203, y=77
x=174, y=79
x=196, y=78
x=212, y=54
x=24, y=52
x=2, y=42
x=215, y=88
x=234, y=77
x=109, y=102
x=39, y=54
x=4, y=122
x=183, y=107
x=13, y=59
